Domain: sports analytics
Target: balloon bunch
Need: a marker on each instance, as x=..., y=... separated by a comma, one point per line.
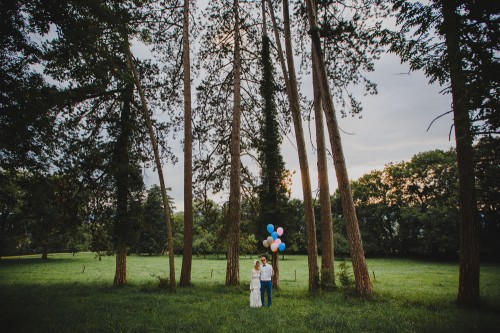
x=273, y=240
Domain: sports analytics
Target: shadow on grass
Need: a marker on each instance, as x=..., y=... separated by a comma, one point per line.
x=99, y=307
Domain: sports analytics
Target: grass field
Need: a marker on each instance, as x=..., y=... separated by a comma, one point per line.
x=74, y=294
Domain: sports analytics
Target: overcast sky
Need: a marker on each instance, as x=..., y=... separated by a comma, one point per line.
x=393, y=128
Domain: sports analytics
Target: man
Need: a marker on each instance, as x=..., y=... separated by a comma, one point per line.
x=266, y=274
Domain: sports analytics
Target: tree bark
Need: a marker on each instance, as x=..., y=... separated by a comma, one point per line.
x=121, y=264
x=122, y=161
x=187, y=256
x=159, y=168
x=468, y=282
x=276, y=269
x=362, y=278
x=327, y=254
x=312, y=246
x=233, y=251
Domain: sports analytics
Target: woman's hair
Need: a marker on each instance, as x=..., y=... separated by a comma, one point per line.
x=256, y=263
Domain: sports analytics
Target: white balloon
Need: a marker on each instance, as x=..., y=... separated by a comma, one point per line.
x=265, y=243
x=274, y=247
x=270, y=240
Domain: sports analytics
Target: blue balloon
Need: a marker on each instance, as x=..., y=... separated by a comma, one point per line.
x=282, y=246
x=274, y=235
x=270, y=228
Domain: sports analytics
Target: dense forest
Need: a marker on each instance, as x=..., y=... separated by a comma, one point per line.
x=82, y=112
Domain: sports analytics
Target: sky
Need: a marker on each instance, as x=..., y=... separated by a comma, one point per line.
x=393, y=128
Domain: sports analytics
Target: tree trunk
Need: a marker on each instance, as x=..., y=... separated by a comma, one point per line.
x=276, y=269
x=122, y=162
x=312, y=246
x=159, y=168
x=45, y=252
x=187, y=256
x=3, y=224
x=468, y=282
x=233, y=251
x=361, y=275
x=121, y=264
x=327, y=254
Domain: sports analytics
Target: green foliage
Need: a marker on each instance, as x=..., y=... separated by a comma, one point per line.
x=248, y=244
x=345, y=277
x=409, y=208
x=153, y=236
x=487, y=162
x=420, y=42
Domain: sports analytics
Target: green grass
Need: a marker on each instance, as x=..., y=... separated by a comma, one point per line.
x=74, y=294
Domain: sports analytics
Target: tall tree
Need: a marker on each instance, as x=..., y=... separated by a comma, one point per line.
x=122, y=162
x=233, y=251
x=327, y=249
x=468, y=282
x=362, y=278
x=159, y=169
x=272, y=191
x=288, y=69
x=455, y=43
x=187, y=254
x=97, y=77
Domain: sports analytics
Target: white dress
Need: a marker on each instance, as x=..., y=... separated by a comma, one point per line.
x=255, y=301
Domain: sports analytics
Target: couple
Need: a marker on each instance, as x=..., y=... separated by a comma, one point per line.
x=260, y=281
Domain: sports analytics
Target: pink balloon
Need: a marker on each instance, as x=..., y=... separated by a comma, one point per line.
x=277, y=241
x=280, y=231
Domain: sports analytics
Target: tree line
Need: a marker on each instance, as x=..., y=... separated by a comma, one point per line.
x=80, y=115
x=408, y=209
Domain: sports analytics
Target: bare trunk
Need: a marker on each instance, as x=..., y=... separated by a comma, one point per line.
x=363, y=283
x=158, y=165
x=233, y=251
x=312, y=246
x=468, y=282
x=187, y=257
x=122, y=166
x=293, y=97
x=327, y=255
x=121, y=264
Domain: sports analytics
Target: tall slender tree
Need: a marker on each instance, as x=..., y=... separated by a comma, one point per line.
x=159, y=168
x=327, y=254
x=187, y=254
x=468, y=282
x=272, y=191
x=455, y=43
x=291, y=83
x=362, y=278
x=122, y=170
x=233, y=251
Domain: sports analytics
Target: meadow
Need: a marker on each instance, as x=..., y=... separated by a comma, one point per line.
x=69, y=293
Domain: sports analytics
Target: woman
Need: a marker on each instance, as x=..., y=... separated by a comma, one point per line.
x=255, y=301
